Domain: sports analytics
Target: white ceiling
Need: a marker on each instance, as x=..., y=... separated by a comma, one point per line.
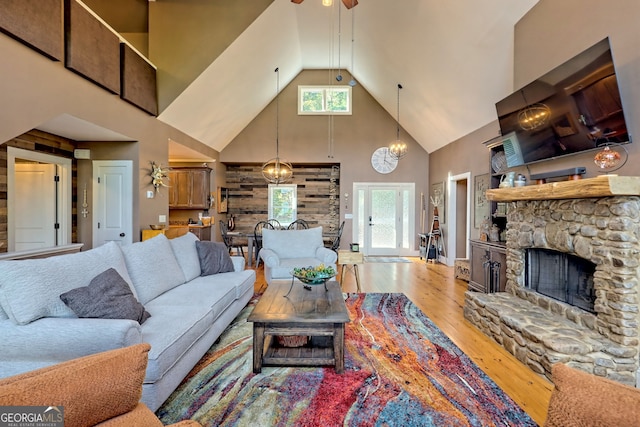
x=454, y=60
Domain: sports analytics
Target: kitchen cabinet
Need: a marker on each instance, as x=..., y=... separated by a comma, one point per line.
x=488, y=266
x=189, y=188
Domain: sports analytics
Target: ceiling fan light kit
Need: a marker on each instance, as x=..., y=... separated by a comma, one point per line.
x=277, y=171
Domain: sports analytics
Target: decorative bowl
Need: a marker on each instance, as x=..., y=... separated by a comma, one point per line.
x=316, y=280
x=156, y=226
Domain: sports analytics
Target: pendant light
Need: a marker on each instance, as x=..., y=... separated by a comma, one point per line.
x=398, y=148
x=277, y=171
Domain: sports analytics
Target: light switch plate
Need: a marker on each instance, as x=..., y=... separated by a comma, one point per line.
x=149, y=194
x=162, y=218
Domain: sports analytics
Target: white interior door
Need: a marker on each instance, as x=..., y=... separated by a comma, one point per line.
x=35, y=206
x=113, y=202
x=39, y=210
x=383, y=218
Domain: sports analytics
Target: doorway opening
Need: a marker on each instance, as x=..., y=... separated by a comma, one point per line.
x=458, y=225
x=39, y=200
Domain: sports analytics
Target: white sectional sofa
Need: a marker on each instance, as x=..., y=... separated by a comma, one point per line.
x=188, y=309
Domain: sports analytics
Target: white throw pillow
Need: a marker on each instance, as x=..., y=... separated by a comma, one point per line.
x=184, y=248
x=30, y=289
x=153, y=267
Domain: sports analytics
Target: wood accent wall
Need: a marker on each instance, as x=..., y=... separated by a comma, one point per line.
x=318, y=195
x=40, y=142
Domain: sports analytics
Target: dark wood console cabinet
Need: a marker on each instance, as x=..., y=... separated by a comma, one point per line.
x=488, y=266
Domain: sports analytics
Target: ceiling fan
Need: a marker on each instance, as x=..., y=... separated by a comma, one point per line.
x=347, y=3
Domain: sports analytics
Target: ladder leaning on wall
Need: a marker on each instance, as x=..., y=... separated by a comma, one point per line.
x=435, y=244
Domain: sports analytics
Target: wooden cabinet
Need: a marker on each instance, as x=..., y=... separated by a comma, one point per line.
x=202, y=232
x=488, y=266
x=189, y=188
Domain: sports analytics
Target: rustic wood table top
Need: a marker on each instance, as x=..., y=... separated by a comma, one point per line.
x=301, y=305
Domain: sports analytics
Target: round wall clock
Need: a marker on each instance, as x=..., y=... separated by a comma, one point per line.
x=382, y=162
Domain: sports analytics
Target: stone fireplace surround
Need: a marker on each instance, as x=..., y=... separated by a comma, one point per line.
x=597, y=219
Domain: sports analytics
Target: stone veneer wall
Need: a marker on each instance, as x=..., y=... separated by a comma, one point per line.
x=604, y=231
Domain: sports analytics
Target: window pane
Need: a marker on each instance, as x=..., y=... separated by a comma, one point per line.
x=337, y=100
x=312, y=100
x=283, y=203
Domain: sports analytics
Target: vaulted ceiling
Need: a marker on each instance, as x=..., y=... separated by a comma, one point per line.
x=454, y=60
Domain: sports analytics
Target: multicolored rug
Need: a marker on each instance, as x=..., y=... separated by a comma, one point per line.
x=400, y=370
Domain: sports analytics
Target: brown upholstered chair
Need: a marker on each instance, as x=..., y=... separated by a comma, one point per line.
x=101, y=389
x=582, y=399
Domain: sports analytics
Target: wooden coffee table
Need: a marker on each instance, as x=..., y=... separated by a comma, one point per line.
x=318, y=313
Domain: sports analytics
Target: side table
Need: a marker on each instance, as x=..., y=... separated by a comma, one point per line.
x=350, y=259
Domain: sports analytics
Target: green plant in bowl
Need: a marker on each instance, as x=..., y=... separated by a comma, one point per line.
x=314, y=275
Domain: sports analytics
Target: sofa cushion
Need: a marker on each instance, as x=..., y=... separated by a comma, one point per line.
x=582, y=399
x=153, y=267
x=181, y=322
x=214, y=258
x=293, y=243
x=108, y=296
x=30, y=289
x=184, y=248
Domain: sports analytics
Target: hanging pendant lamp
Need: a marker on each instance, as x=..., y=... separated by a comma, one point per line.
x=277, y=171
x=398, y=148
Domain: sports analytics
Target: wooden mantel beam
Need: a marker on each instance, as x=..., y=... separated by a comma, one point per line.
x=601, y=186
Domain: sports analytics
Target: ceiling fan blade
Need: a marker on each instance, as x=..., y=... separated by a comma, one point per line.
x=348, y=3
x=297, y=1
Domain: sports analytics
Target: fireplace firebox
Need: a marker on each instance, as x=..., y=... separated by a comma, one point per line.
x=561, y=276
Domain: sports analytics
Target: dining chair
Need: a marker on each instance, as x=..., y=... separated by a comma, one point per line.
x=229, y=241
x=335, y=245
x=257, y=237
x=275, y=223
x=298, y=224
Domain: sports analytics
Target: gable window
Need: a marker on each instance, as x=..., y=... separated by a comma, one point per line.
x=283, y=203
x=319, y=100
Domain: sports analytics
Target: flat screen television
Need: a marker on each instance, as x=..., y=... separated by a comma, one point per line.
x=578, y=105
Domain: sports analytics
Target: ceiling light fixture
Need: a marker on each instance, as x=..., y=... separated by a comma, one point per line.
x=277, y=171
x=398, y=149
x=533, y=116
x=327, y=3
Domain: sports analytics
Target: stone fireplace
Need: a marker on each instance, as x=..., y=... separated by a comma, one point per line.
x=590, y=230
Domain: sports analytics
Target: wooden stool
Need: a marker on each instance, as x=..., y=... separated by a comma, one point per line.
x=348, y=258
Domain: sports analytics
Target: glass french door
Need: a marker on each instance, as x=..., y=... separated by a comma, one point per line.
x=383, y=218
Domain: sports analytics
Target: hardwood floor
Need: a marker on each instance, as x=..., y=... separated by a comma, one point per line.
x=433, y=288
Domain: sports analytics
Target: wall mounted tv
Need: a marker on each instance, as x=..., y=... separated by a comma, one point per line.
x=580, y=105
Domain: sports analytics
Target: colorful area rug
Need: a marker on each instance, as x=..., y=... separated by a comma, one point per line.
x=385, y=259
x=400, y=370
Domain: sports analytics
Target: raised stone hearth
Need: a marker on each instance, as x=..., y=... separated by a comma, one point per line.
x=597, y=219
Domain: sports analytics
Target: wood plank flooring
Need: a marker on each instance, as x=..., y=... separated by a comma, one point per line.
x=433, y=288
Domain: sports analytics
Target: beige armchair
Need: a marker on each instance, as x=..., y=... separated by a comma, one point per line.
x=101, y=389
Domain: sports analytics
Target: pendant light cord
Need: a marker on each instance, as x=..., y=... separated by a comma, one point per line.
x=277, y=71
x=398, y=115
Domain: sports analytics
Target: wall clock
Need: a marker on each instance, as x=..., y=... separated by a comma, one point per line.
x=382, y=162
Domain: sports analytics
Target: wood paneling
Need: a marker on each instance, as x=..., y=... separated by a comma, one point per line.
x=318, y=195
